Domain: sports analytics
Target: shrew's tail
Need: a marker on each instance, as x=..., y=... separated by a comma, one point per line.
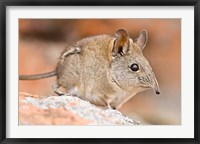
x=37, y=76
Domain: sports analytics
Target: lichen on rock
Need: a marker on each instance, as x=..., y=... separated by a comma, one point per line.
x=66, y=110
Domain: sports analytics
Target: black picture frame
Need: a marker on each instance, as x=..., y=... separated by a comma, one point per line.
x=5, y=3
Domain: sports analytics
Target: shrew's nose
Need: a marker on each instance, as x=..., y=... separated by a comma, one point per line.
x=157, y=92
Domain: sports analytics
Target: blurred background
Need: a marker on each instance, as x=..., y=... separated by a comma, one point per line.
x=41, y=42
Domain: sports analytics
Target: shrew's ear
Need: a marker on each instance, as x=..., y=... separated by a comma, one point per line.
x=121, y=43
x=141, y=41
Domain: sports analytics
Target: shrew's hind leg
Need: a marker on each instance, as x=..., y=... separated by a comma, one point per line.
x=56, y=89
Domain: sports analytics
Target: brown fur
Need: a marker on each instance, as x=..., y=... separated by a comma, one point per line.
x=97, y=69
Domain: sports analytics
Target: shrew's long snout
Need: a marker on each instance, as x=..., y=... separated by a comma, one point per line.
x=151, y=82
x=156, y=86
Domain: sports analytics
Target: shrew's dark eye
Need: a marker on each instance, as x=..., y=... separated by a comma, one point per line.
x=134, y=67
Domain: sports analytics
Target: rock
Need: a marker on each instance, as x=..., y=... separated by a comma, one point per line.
x=66, y=110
